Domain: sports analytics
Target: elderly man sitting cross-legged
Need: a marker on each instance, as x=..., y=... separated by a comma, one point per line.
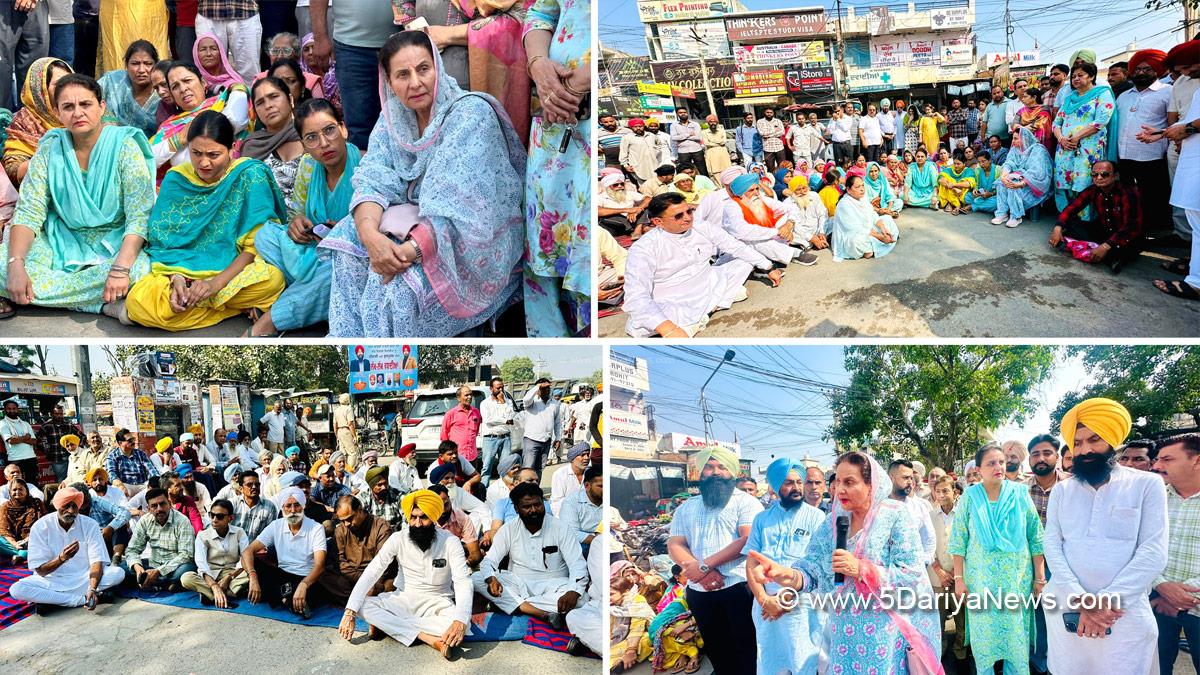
x=546, y=572
x=67, y=556
x=432, y=600
x=299, y=547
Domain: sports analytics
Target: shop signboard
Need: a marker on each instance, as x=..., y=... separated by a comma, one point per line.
x=627, y=425
x=654, y=11
x=949, y=17
x=806, y=80
x=628, y=70
x=777, y=54
x=687, y=74
x=759, y=83
x=758, y=28
x=678, y=42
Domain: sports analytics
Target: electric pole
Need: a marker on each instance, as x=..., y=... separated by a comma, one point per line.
x=1008, y=32
x=700, y=45
x=87, y=398
x=843, y=86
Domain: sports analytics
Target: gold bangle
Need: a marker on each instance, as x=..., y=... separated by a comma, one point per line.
x=530, y=62
x=568, y=88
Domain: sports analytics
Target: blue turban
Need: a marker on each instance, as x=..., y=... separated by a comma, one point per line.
x=742, y=183
x=292, y=451
x=577, y=450
x=437, y=473
x=183, y=469
x=290, y=478
x=815, y=182
x=778, y=471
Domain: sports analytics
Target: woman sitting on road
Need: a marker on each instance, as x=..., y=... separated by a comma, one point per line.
x=76, y=237
x=955, y=183
x=204, y=266
x=920, y=184
x=858, y=231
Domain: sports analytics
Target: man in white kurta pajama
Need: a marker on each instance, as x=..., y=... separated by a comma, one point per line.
x=587, y=622
x=67, y=556
x=432, y=600
x=767, y=237
x=671, y=283
x=1105, y=539
x=546, y=573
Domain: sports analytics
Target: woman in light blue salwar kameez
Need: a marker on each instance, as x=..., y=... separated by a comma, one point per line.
x=883, y=550
x=433, y=245
x=858, y=231
x=1025, y=179
x=983, y=197
x=314, y=207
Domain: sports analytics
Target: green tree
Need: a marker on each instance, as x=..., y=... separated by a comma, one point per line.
x=299, y=366
x=1155, y=382
x=102, y=386
x=596, y=379
x=517, y=369
x=27, y=356
x=934, y=402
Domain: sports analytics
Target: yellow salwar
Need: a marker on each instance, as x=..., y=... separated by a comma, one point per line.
x=257, y=286
x=124, y=21
x=637, y=631
x=954, y=197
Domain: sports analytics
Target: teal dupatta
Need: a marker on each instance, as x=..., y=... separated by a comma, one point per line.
x=321, y=206
x=1000, y=525
x=87, y=200
x=200, y=228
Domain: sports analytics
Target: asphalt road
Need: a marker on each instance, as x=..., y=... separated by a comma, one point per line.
x=959, y=276
x=132, y=636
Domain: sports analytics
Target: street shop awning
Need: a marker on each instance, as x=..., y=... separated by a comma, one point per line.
x=752, y=100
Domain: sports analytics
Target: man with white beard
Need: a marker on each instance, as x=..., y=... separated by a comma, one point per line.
x=299, y=547
x=671, y=284
x=763, y=222
x=432, y=600
x=708, y=534
x=1106, y=540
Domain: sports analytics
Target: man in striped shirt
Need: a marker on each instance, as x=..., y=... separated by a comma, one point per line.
x=1176, y=595
x=608, y=137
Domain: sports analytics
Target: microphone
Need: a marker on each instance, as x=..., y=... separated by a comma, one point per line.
x=841, y=527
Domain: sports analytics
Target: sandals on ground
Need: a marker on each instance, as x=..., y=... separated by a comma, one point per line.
x=1177, y=289
x=7, y=309
x=1176, y=267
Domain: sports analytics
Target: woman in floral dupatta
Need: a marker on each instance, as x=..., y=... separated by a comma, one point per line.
x=883, y=550
x=204, y=266
x=558, y=186
x=496, y=55
x=35, y=117
x=1082, y=129
x=420, y=255
x=189, y=92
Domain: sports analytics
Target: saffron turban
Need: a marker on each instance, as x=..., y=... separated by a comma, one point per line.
x=1109, y=419
x=196, y=429
x=437, y=473
x=636, y=122
x=743, y=183
x=163, y=444
x=1184, y=54
x=577, y=450
x=67, y=495
x=376, y=474
x=72, y=438
x=723, y=455
x=778, y=471
x=291, y=493
x=98, y=471
x=731, y=173
x=428, y=501
x=1155, y=58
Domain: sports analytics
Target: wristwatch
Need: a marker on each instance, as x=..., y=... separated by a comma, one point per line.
x=705, y=569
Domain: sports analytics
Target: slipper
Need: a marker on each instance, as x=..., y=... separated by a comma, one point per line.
x=8, y=313
x=1178, y=289
x=1175, y=267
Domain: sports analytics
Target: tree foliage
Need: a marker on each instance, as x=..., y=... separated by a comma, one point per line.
x=1155, y=382
x=27, y=356
x=935, y=403
x=300, y=366
x=517, y=369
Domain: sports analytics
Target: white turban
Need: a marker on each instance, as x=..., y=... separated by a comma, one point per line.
x=611, y=180
x=729, y=174
x=290, y=493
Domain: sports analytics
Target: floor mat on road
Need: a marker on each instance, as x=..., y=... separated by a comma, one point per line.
x=540, y=634
x=12, y=611
x=488, y=627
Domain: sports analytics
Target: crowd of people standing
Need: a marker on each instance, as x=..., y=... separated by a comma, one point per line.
x=290, y=180
x=1111, y=162
x=1066, y=556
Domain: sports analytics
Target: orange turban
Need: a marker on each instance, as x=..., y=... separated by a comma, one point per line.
x=1155, y=58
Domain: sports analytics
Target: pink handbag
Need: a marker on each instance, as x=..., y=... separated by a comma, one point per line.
x=399, y=220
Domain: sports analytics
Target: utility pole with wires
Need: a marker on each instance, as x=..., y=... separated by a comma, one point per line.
x=700, y=45
x=843, y=86
x=1008, y=33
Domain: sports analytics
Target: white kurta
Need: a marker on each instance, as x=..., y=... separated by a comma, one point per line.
x=481, y=515
x=670, y=277
x=403, y=476
x=564, y=484
x=765, y=240
x=542, y=566
x=811, y=217
x=68, y=585
x=587, y=622
x=433, y=588
x=1110, y=540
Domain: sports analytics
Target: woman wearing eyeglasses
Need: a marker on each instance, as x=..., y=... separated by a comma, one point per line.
x=320, y=199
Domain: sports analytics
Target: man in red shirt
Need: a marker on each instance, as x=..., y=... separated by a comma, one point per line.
x=1115, y=231
x=461, y=425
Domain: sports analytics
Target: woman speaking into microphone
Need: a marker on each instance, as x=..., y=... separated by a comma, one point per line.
x=882, y=550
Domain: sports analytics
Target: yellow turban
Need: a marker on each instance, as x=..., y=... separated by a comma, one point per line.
x=195, y=429
x=91, y=475
x=1109, y=419
x=163, y=444
x=428, y=501
x=796, y=181
x=69, y=437
x=722, y=455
